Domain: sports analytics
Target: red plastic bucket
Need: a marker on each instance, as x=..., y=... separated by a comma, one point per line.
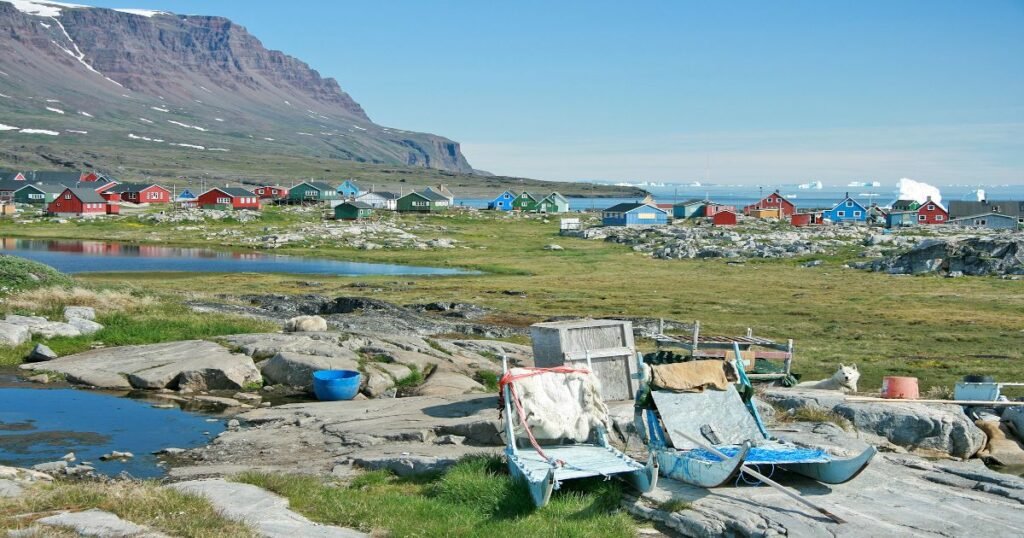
x=900, y=388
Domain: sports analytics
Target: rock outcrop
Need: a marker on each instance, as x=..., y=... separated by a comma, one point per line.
x=191, y=365
x=929, y=429
x=976, y=256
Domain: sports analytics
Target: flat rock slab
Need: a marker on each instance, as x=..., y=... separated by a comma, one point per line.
x=191, y=365
x=926, y=428
x=895, y=496
x=264, y=511
x=99, y=523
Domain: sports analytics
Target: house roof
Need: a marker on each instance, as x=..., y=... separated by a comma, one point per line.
x=693, y=201
x=319, y=185
x=903, y=204
x=420, y=194
x=387, y=195
x=442, y=190
x=352, y=183
x=630, y=206
x=1006, y=207
x=526, y=193
x=87, y=196
x=433, y=196
x=557, y=195
x=357, y=205
x=47, y=176
x=53, y=188
x=986, y=215
x=132, y=187
x=12, y=185
x=850, y=199
x=234, y=192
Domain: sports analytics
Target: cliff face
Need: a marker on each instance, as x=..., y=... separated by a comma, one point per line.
x=193, y=80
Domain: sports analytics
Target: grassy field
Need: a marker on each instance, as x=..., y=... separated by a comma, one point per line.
x=934, y=328
x=476, y=497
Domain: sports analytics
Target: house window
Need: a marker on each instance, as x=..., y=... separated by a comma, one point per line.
x=856, y=213
x=931, y=207
x=940, y=217
x=921, y=217
x=34, y=196
x=645, y=216
x=223, y=200
x=841, y=214
x=67, y=196
x=849, y=204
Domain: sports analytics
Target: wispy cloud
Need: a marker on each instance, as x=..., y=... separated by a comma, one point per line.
x=971, y=153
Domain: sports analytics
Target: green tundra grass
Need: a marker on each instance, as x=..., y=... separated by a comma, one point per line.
x=934, y=328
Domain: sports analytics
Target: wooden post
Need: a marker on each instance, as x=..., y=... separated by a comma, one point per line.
x=789, y=356
x=696, y=336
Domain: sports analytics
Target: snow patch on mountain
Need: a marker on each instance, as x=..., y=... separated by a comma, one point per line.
x=86, y=114
x=186, y=125
x=144, y=120
x=159, y=109
x=39, y=131
x=142, y=12
x=57, y=110
x=4, y=127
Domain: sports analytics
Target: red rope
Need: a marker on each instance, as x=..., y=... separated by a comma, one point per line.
x=508, y=378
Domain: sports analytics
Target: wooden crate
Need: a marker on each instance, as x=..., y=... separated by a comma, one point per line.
x=608, y=343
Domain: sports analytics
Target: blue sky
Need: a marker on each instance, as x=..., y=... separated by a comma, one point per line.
x=763, y=91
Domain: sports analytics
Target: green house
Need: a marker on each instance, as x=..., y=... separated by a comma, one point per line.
x=353, y=211
x=422, y=202
x=312, y=192
x=553, y=203
x=525, y=202
x=38, y=193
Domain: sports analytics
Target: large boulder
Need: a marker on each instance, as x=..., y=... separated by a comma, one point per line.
x=41, y=353
x=85, y=326
x=445, y=382
x=79, y=312
x=265, y=345
x=13, y=335
x=38, y=325
x=926, y=428
x=296, y=369
x=191, y=365
x=305, y=324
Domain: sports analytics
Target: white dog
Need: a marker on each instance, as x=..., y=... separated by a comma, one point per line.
x=844, y=380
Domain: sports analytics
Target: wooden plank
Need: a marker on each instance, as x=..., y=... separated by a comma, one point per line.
x=976, y=403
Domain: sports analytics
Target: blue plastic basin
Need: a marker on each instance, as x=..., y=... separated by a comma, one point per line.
x=330, y=385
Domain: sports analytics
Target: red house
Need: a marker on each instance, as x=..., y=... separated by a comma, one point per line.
x=773, y=201
x=142, y=194
x=725, y=217
x=229, y=198
x=78, y=202
x=271, y=192
x=932, y=213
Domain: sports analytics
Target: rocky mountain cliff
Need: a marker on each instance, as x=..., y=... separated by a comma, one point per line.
x=82, y=85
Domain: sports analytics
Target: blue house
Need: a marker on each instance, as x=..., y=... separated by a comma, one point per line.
x=186, y=198
x=633, y=214
x=349, y=189
x=848, y=210
x=503, y=202
x=689, y=209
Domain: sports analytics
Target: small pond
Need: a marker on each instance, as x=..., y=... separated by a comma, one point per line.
x=72, y=256
x=39, y=425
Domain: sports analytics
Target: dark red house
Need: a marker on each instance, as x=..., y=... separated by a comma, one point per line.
x=773, y=201
x=138, y=193
x=78, y=202
x=724, y=218
x=932, y=213
x=229, y=198
x=272, y=192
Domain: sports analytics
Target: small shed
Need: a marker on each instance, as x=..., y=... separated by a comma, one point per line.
x=353, y=211
x=799, y=220
x=633, y=214
x=724, y=218
x=608, y=344
x=764, y=213
x=899, y=219
x=689, y=209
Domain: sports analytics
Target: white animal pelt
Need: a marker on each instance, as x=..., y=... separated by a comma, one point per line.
x=844, y=380
x=560, y=406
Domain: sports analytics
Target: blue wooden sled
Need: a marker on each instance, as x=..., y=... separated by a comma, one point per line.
x=741, y=437
x=568, y=462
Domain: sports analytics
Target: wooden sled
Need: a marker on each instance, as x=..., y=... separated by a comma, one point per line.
x=677, y=419
x=543, y=475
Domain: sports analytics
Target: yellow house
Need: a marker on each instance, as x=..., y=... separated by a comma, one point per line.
x=766, y=213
